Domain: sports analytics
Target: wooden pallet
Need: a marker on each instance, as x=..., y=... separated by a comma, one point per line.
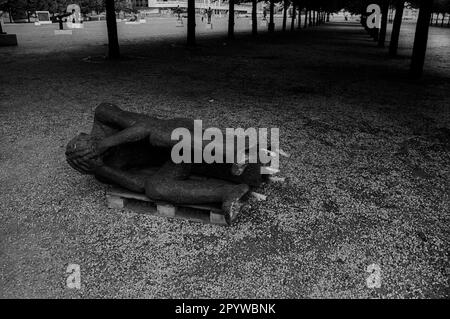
x=124, y=199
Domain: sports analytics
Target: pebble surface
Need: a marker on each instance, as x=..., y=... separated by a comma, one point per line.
x=367, y=180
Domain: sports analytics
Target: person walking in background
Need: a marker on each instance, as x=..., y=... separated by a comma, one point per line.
x=178, y=12
x=209, y=14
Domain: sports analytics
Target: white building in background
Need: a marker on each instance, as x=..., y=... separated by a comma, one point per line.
x=410, y=13
x=167, y=6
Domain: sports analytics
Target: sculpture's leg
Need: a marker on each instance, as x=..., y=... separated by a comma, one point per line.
x=170, y=184
x=132, y=182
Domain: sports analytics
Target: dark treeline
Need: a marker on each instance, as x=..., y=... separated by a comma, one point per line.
x=313, y=13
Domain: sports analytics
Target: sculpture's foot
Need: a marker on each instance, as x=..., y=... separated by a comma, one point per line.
x=232, y=205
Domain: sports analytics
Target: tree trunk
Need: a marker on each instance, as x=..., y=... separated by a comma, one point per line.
x=421, y=38
x=285, y=4
x=271, y=22
x=443, y=18
x=384, y=21
x=305, y=25
x=254, y=18
x=10, y=15
x=314, y=18
x=191, y=23
x=299, y=26
x=437, y=18
x=111, y=24
x=395, y=35
x=1, y=27
x=294, y=12
x=230, y=19
x=310, y=18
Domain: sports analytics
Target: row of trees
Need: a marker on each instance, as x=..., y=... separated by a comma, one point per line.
x=426, y=8
x=316, y=12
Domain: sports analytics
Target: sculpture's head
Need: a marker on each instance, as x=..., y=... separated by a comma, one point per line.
x=81, y=154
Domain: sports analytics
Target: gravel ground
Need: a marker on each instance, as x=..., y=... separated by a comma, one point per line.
x=368, y=178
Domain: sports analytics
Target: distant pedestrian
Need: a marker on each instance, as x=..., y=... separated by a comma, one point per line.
x=178, y=12
x=209, y=13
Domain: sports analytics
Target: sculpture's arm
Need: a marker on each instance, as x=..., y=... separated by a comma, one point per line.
x=134, y=133
x=111, y=115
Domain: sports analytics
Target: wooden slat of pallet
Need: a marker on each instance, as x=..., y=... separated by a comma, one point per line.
x=119, y=198
x=127, y=194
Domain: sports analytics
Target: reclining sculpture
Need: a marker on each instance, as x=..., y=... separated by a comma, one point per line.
x=123, y=145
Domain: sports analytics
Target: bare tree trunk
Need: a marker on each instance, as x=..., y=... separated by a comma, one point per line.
x=421, y=38
x=230, y=19
x=384, y=21
x=254, y=18
x=271, y=22
x=314, y=18
x=111, y=24
x=395, y=35
x=294, y=12
x=191, y=23
x=310, y=19
x=437, y=18
x=443, y=18
x=285, y=4
x=305, y=25
x=299, y=26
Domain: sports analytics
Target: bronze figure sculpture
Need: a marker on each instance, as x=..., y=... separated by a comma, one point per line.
x=123, y=145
